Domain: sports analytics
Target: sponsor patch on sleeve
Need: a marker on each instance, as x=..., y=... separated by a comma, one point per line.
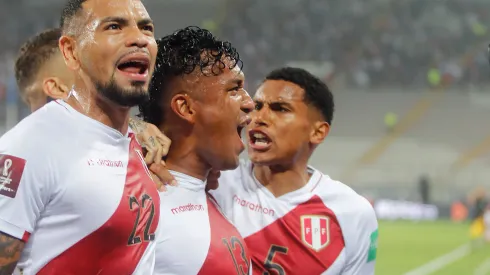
x=373, y=246
x=11, y=169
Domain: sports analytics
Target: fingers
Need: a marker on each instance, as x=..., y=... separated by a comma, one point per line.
x=160, y=137
x=159, y=154
x=153, y=148
x=159, y=184
x=155, y=142
x=173, y=182
x=150, y=155
x=165, y=142
x=162, y=173
x=215, y=173
x=212, y=185
x=212, y=182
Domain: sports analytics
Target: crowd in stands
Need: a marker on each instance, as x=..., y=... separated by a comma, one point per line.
x=370, y=43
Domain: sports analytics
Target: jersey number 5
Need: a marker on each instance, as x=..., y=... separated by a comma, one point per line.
x=146, y=202
x=269, y=263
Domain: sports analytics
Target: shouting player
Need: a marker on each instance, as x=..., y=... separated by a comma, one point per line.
x=80, y=200
x=42, y=76
x=198, y=99
x=295, y=219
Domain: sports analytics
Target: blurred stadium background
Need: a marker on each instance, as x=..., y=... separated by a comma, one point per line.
x=411, y=83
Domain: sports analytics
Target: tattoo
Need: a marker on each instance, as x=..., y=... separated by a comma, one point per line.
x=152, y=141
x=138, y=126
x=10, y=250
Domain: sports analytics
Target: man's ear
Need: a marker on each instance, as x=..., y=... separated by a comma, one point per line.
x=320, y=132
x=183, y=107
x=54, y=88
x=67, y=47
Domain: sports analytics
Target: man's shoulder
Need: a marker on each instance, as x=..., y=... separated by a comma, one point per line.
x=237, y=181
x=344, y=200
x=39, y=135
x=36, y=125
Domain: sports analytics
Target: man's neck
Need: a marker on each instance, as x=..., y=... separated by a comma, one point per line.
x=90, y=104
x=280, y=180
x=182, y=158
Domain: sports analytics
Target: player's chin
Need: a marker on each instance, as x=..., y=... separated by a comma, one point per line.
x=260, y=158
x=230, y=162
x=134, y=86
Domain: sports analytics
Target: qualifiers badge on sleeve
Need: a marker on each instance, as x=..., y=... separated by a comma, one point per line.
x=11, y=169
x=373, y=246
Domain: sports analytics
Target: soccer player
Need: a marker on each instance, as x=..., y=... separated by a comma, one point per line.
x=78, y=198
x=40, y=70
x=478, y=204
x=295, y=219
x=198, y=99
x=42, y=76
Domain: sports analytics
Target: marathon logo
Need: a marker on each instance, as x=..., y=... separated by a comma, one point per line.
x=11, y=170
x=187, y=208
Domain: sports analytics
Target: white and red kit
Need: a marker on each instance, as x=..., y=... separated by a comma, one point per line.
x=323, y=228
x=194, y=236
x=79, y=194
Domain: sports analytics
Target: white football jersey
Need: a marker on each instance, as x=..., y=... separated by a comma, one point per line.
x=80, y=195
x=323, y=228
x=194, y=236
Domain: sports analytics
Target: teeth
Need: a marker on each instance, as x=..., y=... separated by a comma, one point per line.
x=261, y=143
x=259, y=135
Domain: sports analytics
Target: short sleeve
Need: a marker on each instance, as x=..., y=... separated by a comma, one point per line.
x=363, y=243
x=23, y=189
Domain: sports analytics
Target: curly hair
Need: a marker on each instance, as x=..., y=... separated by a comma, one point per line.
x=317, y=92
x=33, y=55
x=180, y=54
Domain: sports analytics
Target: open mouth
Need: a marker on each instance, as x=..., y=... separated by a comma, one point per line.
x=244, y=122
x=135, y=67
x=259, y=140
x=239, y=130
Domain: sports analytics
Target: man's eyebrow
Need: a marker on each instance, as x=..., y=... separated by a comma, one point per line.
x=236, y=81
x=281, y=103
x=145, y=22
x=124, y=21
x=276, y=103
x=114, y=19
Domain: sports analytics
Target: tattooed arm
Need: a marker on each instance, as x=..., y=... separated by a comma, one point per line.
x=152, y=139
x=156, y=145
x=10, y=250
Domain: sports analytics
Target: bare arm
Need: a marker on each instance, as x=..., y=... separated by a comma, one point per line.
x=152, y=139
x=10, y=250
x=156, y=145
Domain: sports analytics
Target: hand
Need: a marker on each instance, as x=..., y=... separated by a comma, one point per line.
x=212, y=180
x=156, y=146
x=151, y=139
x=161, y=176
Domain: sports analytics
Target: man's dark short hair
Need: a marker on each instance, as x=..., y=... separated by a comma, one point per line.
x=317, y=92
x=34, y=54
x=71, y=8
x=180, y=54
